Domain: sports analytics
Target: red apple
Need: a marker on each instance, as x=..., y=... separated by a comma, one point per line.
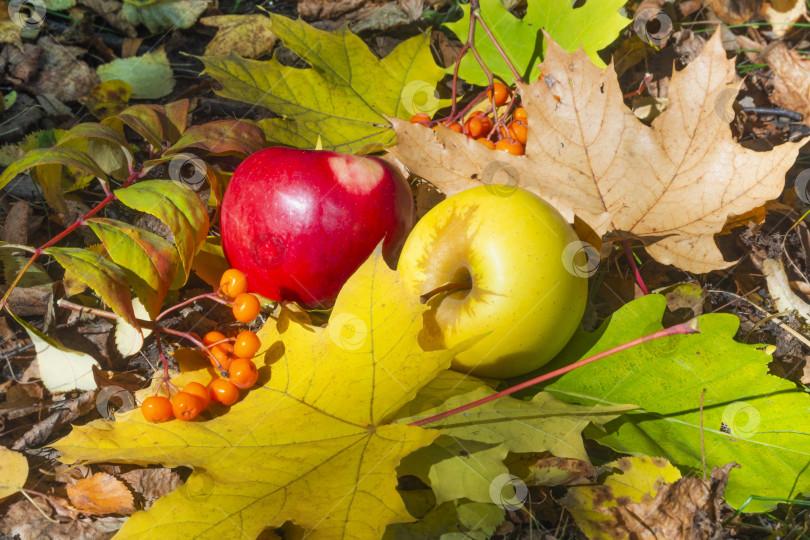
x=299, y=223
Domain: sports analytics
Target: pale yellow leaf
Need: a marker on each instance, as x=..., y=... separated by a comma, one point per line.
x=13, y=472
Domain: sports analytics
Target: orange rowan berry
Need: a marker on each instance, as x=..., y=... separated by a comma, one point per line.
x=487, y=142
x=157, y=409
x=520, y=115
x=499, y=93
x=243, y=373
x=507, y=145
x=197, y=389
x=233, y=283
x=420, y=118
x=246, y=344
x=186, y=406
x=519, y=131
x=223, y=391
x=246, y=307
x=474, y=127
x=213, y=337
x=223, y=354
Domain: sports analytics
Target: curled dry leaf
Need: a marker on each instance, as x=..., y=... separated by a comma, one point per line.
x=791, y=72
x=248, y=36
x=672, y=184
x=102, y=493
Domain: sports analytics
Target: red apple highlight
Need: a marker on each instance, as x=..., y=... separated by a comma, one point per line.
x=299, y=223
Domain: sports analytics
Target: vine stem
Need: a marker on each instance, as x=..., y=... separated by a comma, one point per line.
x=134, y=175
x=688, y=327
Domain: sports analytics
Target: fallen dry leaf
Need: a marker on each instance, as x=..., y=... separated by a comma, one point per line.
x=100, y=494
x=15, y=227
x=248, y=36
x=783, y=13
x=645, y=499
x=61, y=73
x=672, y=184
x=688, y=508
x=735, y=11
x=351, y=10
x=791, y=83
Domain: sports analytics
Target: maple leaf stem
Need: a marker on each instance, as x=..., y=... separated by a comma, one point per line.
x=629, y=254
x=688, y=327
x=134, y=175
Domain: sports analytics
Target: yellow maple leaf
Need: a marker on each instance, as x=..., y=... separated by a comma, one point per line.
x=310, y=445
x=672, y=184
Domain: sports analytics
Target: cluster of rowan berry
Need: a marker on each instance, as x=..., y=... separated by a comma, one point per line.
x=230, y=355
x=512, y=128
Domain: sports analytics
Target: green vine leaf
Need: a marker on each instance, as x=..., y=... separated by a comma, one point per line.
x=143, y=120
x=104, y=277
x=749, y=417
x=148, y=260
x=344, y=99
x=176, y=206
x=592, y=26
x=92, y=130
x=222, y=136
x=46, y=156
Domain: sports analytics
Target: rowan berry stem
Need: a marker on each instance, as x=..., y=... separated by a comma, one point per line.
x=212, y=296
x=688, y=327
x=151, y=325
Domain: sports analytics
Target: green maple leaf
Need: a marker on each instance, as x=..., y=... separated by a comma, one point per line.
x=592, y=26
x=344, y=99
x=749, y=417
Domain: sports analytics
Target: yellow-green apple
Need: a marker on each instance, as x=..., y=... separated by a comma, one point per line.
x=299, y=223
x=521, y=300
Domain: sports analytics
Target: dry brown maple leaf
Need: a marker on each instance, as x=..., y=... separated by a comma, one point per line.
x=672, y=184
x=791, y=75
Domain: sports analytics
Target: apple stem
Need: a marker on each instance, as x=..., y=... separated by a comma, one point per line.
x=629, y=253
x=688, y=327
x=454, y=286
